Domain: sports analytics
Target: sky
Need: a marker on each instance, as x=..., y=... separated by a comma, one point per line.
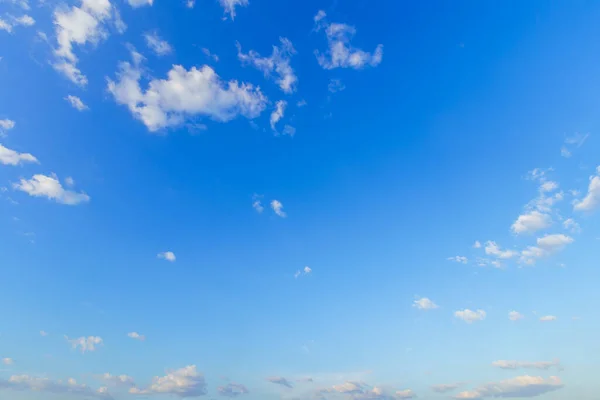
x=315, y=200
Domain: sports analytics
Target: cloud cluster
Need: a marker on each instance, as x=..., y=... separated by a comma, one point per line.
x=44, y=385
x=50, y=187
x=85, y=344
x=340, y=52
x=521, y=386
x=184, y=382
x=362, y=391
x=183, y=95
x=278, y=63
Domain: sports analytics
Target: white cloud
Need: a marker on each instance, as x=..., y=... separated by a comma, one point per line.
x=6, y=125
x=515, y=316
x=571, y=225
x=288, y=130
x=79, y=26
x=24, y=20
x=545, y=365
x=183, y=95
x=548, y=318
x=137, y=336
x=477, y=244
x=531, y=222
x=335, y=85
x=340, y=53
x=159, y=46
x=305, y=271
x=565, y=152
x=445, y=388
x=43, y=333
x=11, y=157
x=8, y=361
x=521, y=386
x=459, y=259
x=548, y=186
x=362, y=391
x=85, y=344
x=277, y=113
x=256, y=203
x=167, y=255
x=592, y=198
x=118, y=380
x=76, y=103
x=139, y=3
x=232, y=390
x=470, y=316
x=424, y=304
x=278, y=208
x=278, y=63
x=184, y=382
x=208, y=54
x=551, y=243
x=44, y=385
x=190, y=3
x=573, y=142
x=50, y=187
x=229, y=6
x=492, y=249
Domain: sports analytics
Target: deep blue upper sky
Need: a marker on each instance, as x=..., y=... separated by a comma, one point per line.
x=354, y=200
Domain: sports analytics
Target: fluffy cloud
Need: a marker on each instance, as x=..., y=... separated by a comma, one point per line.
x=278, y=63
x=470, y=316
x=521, y=386
x=136, y=336
x=340, y=53
x=592, y=198
x=492, y=249
x=80, y=25
x=26, y=382
x=548, y=318
x=232, y=390
x=50, y=187
x=229, y=6
x=76, y=103
x=545, y=365
x=85, y=344
x=159, y=46
x=531, y=222
x=278, y=208
x=546, y=246
x=305, y=271
x=515, y=316
x=167, y=255
x=424, y=304
x=459, y=259
x=139, y=3
x=185, y=94
x=280, y=380
x=445, y=388
x=184, y=382
x=11, y=157
x=277, y=113
x=6, y=125
x=24, y=20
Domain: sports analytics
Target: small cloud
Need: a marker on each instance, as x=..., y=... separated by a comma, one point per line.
x=548, y=318
x=279, y=380
x=139, y=3
x=335, y=85
x=571, y=225
x=288, y=130
x=136, y=336
x=277, y=113
x=85, y=344
x=305, y=271
x=278, y=63
x=301, y=103
x=155, y=43
x=257, y=204
x=43, y=333
x=190, y=3
x=185, y=382
x=573, y=142
x=230, y=5
x=6, y=125
x=210, y=55
x=592, y=198
x=477, y=244
x=544, y=365
x=424, y=304
x=515, y=316
x=445, y=388
x=459, y=259
x=8, y=361
x=50, y=187
x=14, y=158
x=76, y=103
x=470, y=316
x=232, y=390
x=277, y=207
x=167, y=255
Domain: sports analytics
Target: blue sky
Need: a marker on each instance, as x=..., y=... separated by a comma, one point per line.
x=365, y=200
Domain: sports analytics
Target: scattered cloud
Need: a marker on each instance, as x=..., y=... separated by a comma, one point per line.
x=118, y=380
x=477, y=244
x=43, y=333
x=197, y=92
x=521, y=386
x=289, y=130
x=277, y=114
x=470, y=316
x=159, y=46
x=257, y=204
x=12, y=157
x=210, y=55
x=362, y=391
x=139, y=3
x=492, y=249
x=137, y=336
x=531, y=222
x=190, y=3
x=80, y=25
x=85, y=344
x=278, y=64
x=232, y=390
x=167, y=255
x=279, y=380
x=546, y=246
x=548, y=318
x=459, y=259
x=278, y=208
x=229, y=6
x=340, y=53
x=6, y=125
x=545, y=365
x=76, y=103
x=45, y=385
x=184, y=382
x=335, y=85
x=51, y=188
x=424, y=304
x=305, y=271
x=445, y=388
x=515, y=316
x=8, y=25
x=592, y=198
x=572, y=143
x=571, y=225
